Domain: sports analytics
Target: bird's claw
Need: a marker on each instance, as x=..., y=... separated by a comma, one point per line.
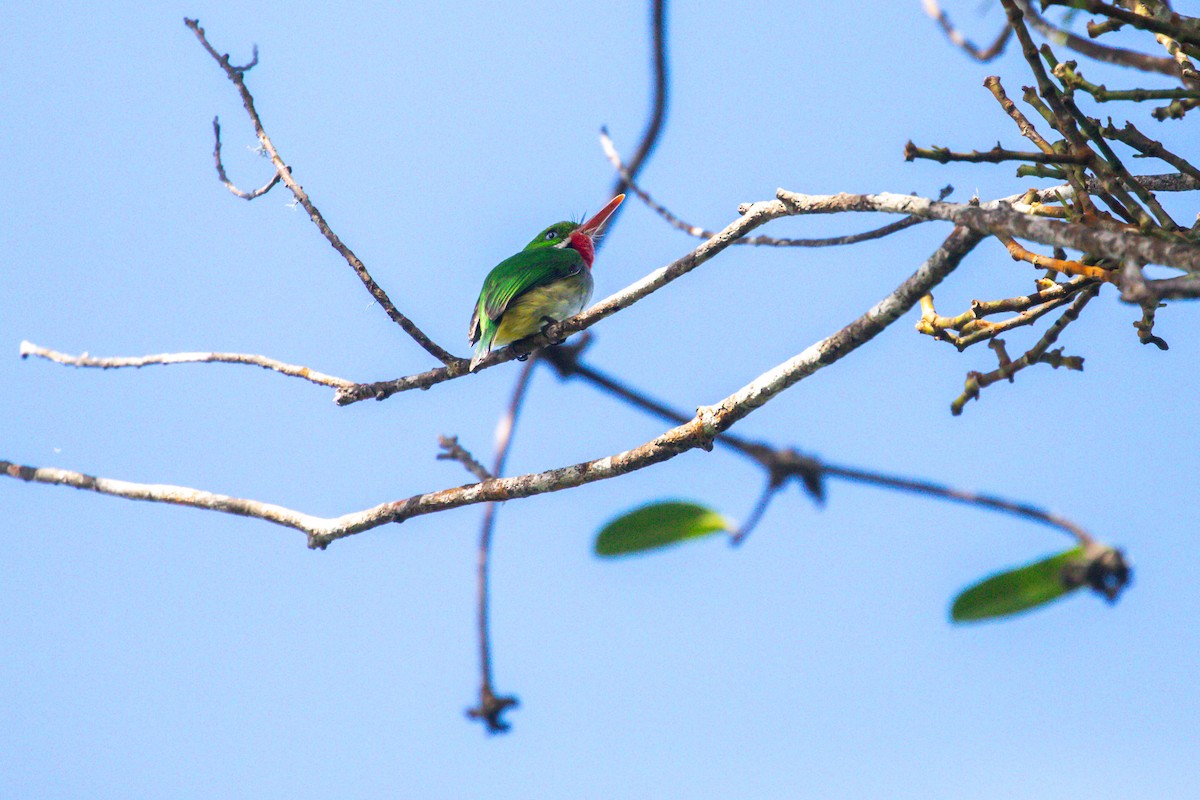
x=554, y=340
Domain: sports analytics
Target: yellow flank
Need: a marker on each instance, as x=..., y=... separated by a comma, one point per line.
x=559, y=300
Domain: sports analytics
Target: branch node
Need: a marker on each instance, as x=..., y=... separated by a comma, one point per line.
x=491, y=708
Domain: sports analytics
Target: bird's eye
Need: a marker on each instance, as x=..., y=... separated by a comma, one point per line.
x=551, y=235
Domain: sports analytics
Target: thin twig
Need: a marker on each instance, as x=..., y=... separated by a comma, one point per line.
x=1100, y=52
x=85, y=360
x=781, y=463
x=259, y=192
x=632, y=185
x=756, y=514
x=235, y=75
x=1036, y=354
x=972, y=325
x=491, y=706
x=1131, y=136
x=944, y=492
x=1069, y=74
x=658, y=108
x=1146, y=23
x=993, y=85
x=456, y=452
x=956, y=38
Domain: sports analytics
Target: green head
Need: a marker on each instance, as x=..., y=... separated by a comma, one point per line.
x=580, y=236
x=554, y=236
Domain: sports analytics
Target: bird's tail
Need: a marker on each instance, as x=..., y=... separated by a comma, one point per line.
x=484, y=347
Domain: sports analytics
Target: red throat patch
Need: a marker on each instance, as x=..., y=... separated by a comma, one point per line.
x=583, y=244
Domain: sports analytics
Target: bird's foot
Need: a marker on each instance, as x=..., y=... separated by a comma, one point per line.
x=546, y=323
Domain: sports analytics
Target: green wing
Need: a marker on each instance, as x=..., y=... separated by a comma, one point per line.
x=514, y=276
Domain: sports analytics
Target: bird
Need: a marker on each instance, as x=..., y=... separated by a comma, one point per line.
x=548, y=281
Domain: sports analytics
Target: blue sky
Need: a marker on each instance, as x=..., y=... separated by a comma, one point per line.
x=152, y=651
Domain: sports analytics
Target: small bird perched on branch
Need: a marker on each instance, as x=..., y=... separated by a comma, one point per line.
x=548, y=281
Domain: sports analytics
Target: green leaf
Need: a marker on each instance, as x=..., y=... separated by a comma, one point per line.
x=658, y=525
x=1017, y=590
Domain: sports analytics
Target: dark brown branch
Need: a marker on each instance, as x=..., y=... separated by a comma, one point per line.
x=456, y=452
x=1144, y=144
x=658, y=109
x=1172, y=29
x=756, y=513
x=1145, y=327
x=1100, y=52
x=944, y=492
x=235, y=75
x=491, y=706
x=784, y=463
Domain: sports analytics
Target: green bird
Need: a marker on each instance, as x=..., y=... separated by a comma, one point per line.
x=548, y=281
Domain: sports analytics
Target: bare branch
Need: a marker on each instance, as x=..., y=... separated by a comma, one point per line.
x=631, y=184
x=756, y=513
x=944, y=155
x=1131, y=136
x=658, y=111
x=699, y=432
x=783, y=463
x=85, y=360
x=941, y=491
x=755, y=215
x=1003, y=215
x=235, y=75
x=1136, y=20
x=491, y=706
x=1036, y=354
x=166, y=493
x=1070, y=76
x=956, y=38
x=259, y=192
x=972, y=325
x=993, y=85
x=1100, y=52
x=456, y=452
